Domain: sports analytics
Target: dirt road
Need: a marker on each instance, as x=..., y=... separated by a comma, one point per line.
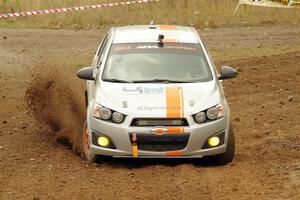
x=37, y=80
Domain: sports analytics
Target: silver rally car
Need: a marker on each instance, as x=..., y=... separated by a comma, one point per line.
x=153, y=92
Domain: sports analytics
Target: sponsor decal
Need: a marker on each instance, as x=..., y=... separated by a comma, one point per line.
x=122, y=48
x=143, y=90
x=174, y=103
x=147, y=47
x=154, y=90
x=133, y=90
x=177, y=47
x=144, y=47
x=185, y=48
x=158, y=108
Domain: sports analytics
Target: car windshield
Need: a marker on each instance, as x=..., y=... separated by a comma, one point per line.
x=169, y=62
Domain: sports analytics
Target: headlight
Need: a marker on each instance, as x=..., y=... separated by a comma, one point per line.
x=221, y=110
x=104, y=113
x=117, y=117
x=95, y=110
x=213, y=113
x=101, y=112
x=200, y=117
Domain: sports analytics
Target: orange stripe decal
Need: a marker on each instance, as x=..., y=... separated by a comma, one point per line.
x=175, y=130
x=174, y=102
x=174, y=153
x=167, y=27
x=169, y=40
x=182, y=102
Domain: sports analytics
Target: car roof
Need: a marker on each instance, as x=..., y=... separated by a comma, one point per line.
x=150, y=34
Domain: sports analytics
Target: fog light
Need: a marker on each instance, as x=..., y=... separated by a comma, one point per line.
x=103, y=141
x=213, y=141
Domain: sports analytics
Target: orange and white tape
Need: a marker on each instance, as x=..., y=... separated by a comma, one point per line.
x=73, y=9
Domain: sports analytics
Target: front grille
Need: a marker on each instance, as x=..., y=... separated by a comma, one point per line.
x=143, y=122
x=161, y=143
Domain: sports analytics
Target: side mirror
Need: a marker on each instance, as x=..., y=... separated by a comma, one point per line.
x=227, y=73
x=86, y=73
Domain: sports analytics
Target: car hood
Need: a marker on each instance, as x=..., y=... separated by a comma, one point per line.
x=158, y=100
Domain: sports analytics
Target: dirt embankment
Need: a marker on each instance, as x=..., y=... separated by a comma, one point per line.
x=42, y=102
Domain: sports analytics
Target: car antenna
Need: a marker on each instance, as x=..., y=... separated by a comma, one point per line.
x=152, y=25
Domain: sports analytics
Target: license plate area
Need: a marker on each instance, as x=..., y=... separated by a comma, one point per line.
x=160, y=143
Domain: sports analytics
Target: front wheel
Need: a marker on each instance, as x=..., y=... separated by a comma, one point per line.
x=227, y=157
x=86, y=152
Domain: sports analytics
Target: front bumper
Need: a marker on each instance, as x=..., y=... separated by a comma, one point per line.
x=120, y=136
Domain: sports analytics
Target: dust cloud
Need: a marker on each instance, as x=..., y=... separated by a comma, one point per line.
x=55, y=98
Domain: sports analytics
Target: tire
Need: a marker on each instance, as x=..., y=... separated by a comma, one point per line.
x=87, y=155
x=227, y=157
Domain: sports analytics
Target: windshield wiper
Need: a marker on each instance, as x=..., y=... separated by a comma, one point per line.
x=161, y=81
x=115, y=80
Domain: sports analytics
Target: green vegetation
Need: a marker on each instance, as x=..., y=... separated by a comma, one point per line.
x=199, y=13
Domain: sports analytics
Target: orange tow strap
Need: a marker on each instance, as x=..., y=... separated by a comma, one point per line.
x=135, y=152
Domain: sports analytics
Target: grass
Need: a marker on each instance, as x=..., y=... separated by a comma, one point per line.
x=198, y=13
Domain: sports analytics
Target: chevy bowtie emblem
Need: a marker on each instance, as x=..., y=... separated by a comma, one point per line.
x=170, y=130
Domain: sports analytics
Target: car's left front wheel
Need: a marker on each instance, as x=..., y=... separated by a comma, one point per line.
x=86, y=151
